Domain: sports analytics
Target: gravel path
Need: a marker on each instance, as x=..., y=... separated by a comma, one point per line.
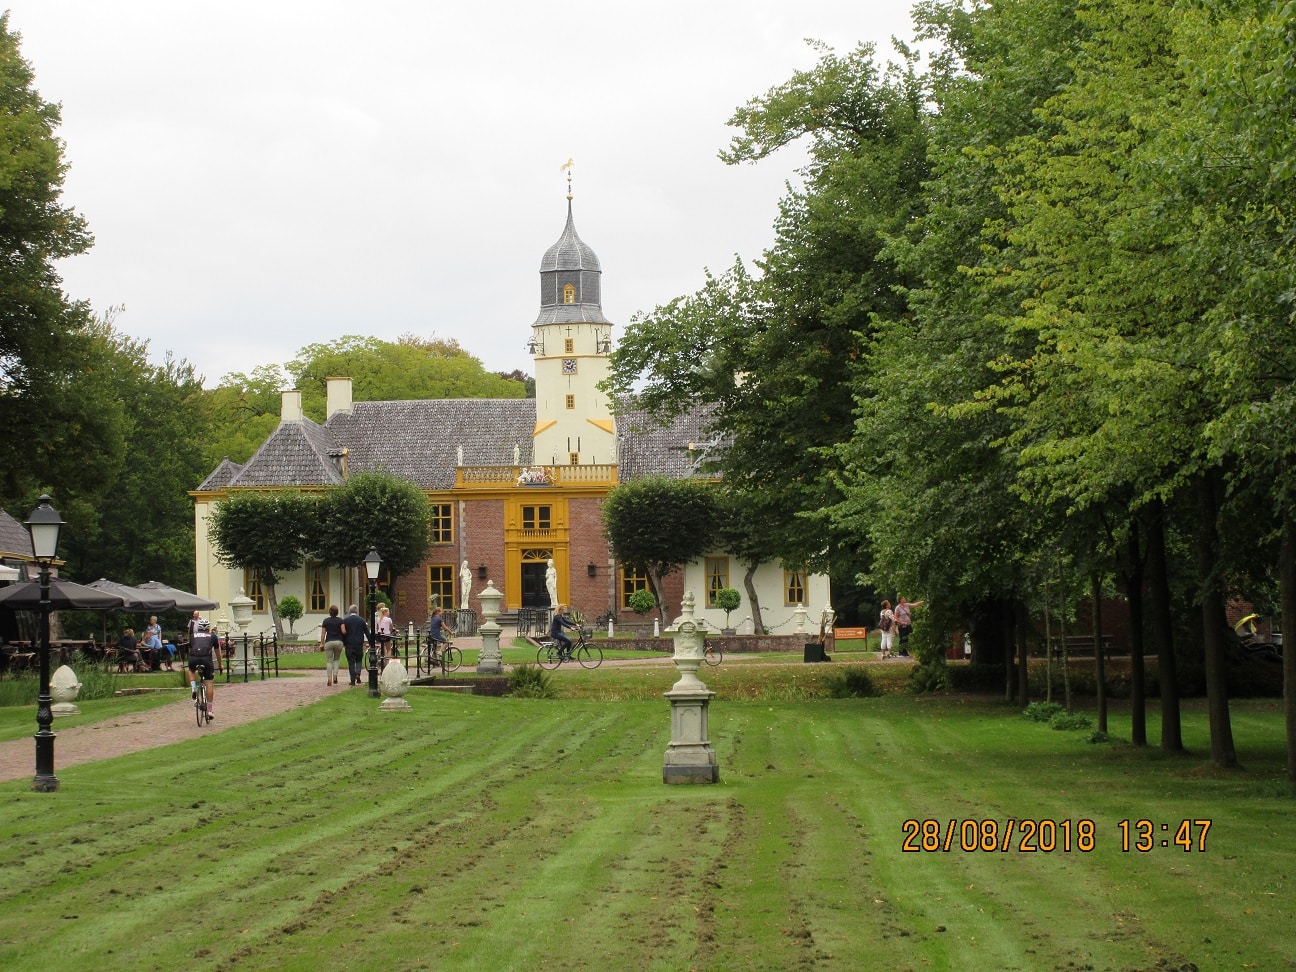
x=236, y=704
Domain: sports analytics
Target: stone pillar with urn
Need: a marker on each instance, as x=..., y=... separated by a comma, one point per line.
x=490, y=661
x=689, y=757
x=243, y=662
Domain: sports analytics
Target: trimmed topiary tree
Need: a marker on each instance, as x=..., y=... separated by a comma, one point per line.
x=291, y=610
x=727, y=599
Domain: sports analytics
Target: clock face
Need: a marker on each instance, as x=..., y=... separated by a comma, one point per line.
x=569, y=366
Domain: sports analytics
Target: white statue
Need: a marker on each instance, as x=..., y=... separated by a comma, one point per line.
x=459, y=454
x=465, y=584
x=551, y=582
x=517, y=455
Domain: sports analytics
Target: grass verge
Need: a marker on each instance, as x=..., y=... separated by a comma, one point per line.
x=477, y=833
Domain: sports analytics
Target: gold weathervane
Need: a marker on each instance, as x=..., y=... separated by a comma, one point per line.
x=566, y=167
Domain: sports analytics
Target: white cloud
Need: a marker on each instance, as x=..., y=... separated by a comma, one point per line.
x=263, y=174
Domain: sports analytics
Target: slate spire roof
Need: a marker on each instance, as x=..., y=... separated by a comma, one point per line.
x=570, y=262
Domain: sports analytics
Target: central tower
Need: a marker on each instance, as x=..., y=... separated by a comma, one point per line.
x=571, y=339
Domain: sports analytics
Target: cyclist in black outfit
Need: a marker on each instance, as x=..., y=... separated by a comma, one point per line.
x=204, y=660
x=560, y=621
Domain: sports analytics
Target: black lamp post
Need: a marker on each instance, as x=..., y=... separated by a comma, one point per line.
x=44, y=525
x=372, y=562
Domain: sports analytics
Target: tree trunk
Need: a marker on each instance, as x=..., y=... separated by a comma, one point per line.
x=1133, y=578
x=1048, y=646
x=1214, y=623
x=1023, y=653
x=1100, y=665
x=749, y=582
x=1066, y=652
x=272, y=598
x=1287, y=580
x=1163, y=630
x=655, y=585
x=1006, y=647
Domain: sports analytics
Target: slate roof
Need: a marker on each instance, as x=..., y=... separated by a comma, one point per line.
x=420, y=440
x=570, y=252
x=646, y=446
x=224, y=474
x=15, y=541
x=297, y=453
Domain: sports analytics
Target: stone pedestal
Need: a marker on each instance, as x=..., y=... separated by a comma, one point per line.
x=490, y=661
x=243, y=661
x=394, y=682
x=64, y=688
x=689, y=757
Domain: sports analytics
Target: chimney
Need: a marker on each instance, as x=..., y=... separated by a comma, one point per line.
x=338, y=397
x=290, y=409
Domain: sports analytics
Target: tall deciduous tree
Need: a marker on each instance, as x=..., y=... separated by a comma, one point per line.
x=657, y=525
x=268, y=533
x=407, y=369
x=374, y=511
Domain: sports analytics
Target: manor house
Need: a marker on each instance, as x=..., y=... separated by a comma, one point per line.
x=511, y=484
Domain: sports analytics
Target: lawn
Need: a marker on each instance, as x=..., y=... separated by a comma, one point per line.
x=527, y=834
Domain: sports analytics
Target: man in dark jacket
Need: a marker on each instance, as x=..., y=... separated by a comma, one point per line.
x=354, y=631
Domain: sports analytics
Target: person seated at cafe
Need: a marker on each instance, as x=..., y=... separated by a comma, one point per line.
x=154, y=652
x=156, y=647
x=128, y=652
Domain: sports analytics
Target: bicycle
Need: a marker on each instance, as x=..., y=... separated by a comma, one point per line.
x=200, y=702
x=443, y=655
x=712, y=655
x=551, y=654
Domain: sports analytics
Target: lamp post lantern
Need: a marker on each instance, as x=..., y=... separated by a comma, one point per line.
x=44, y=525
x=373, y=562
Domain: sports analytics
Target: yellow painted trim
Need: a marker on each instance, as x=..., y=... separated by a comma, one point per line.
x=542, y=425
x=604, y=424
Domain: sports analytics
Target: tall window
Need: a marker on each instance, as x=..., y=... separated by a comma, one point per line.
x=317, y=587
x=571, y=401
x=631, y=581
x=569, y=345
x=535, y=518
x=441, y=583
x=252, y=588
x=574, y=458
x=442, y=523
x=794, y=582
x=717, y=575
x=569, y=294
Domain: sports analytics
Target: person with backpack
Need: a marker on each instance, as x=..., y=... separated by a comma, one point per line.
x=887, y=625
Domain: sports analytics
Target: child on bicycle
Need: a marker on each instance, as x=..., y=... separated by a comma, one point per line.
x=560, y=621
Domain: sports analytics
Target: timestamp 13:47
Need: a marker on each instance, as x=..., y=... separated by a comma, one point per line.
x=1146, y=835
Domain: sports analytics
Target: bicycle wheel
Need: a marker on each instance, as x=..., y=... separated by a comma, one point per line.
x=452, y=658
x=548, y=656
x=713, y=656
x=200, y=705
x=589, y=656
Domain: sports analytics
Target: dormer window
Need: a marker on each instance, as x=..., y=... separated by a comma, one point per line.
x=569, y=294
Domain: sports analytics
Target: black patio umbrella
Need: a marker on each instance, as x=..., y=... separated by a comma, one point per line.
x=63, y=595
x=135, y=598
x=184, y=601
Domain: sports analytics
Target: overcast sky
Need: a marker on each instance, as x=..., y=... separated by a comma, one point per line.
x=264, y=174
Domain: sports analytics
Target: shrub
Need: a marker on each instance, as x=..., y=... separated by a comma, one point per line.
x=727, y=600
x=291, y=610
x=851, y=683
x=642, y=601
x=1041, y=711
x=530, y=682
x=929, y=677
x=1070, y=721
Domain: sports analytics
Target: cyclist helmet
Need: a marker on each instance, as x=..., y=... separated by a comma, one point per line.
x=203, y=624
